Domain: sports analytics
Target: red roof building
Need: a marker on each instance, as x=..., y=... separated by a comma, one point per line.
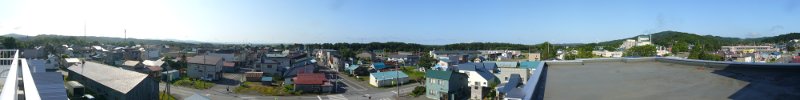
x=310, y=79
x=796, y=59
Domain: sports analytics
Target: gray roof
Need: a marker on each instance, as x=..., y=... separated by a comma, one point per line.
x=38, y=65
x=115, y=78
x=205, y=59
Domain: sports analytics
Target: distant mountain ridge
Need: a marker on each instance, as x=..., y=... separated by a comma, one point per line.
x=20, y=37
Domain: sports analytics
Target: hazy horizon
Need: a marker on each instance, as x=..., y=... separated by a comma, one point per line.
x=412, y=21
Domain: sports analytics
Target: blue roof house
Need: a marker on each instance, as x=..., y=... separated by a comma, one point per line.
x=388, y=78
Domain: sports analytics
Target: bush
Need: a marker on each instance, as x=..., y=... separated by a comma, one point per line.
x=419, y=90
x=197, y=84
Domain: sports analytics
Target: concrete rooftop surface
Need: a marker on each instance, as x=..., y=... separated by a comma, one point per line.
x=655, y=80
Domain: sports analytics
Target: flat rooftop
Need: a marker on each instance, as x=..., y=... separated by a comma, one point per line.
x=654, y=80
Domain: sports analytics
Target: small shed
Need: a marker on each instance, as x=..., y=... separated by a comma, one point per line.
x=253, y=76
x=266, y=80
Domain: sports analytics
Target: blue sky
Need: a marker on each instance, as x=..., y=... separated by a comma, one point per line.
x=418, y=21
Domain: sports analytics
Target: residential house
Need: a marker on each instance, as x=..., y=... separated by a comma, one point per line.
x=312, y=83
x=479, y=79
x=512, y=89
x=281, y=57
x=388, y=78
x=289, y=74
x=153, y=67
x=269, y=67
x=446, y=85
x=229, y=67
x=205, y=67
x=113, y=83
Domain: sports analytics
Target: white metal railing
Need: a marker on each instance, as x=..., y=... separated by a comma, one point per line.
x=9, y=91
x=31, y=93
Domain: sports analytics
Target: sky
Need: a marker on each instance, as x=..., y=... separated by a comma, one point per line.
x=416, y=21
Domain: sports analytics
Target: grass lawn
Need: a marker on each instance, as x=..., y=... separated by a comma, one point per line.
x=193, y=83
x=161, y=96
x=257, y=88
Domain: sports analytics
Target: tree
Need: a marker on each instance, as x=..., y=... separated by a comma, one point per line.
x=9, y=42
x=547, y=50
x=585, y=51
x=426, y=61
x=680, y=47
x=641, y=51
x=790, y=47
x=700, y=54
x=419, y=90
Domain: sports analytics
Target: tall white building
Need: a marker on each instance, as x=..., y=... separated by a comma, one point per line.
x=643, y=40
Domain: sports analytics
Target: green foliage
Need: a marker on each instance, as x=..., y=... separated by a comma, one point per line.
x=426, y=61
x=641, y=51
x=781, y=38
x=9, y=42
x=700, y=54
x=418, y=91
x=164, y=96
x=547, y=50
x=680, y=47
x=413, y=74
x=790, y=48
x=570, y=56
x=197, y=84
x=585, y=51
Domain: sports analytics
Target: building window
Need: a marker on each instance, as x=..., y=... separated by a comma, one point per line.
x=269, y=66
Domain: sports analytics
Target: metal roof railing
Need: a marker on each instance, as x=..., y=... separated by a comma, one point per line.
x=10, y=58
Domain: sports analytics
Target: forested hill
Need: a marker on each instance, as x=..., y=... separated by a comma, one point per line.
x=668, y=38
x=26, y=41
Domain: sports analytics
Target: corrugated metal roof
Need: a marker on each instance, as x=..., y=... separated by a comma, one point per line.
x=529, y=64
x=379, y=65
x=352, y=67
x=50, y=85
x=118, y=79
x=37, y=65
x=310, y=78
x=438, y=74
x=388, y=75
x=130, y=63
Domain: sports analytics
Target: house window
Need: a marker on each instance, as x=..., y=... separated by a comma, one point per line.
x=269, y=66
x=506, y=78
